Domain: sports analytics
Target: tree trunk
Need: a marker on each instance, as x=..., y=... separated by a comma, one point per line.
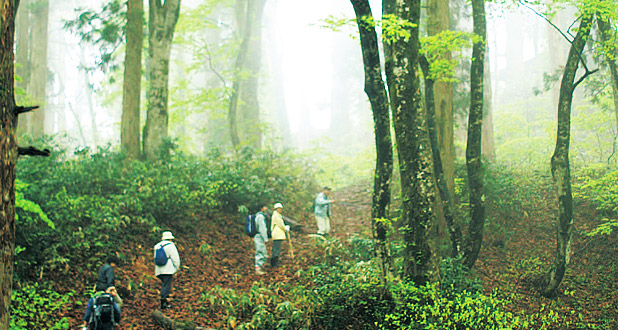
x=8, y=158
x=130, y=123
x=376, y=91
x=560, y=168
x=415, y=163
x=488, y=146
x=475, y=126
x=445, y=198
x=38, y=79
x=439, y=105
x=161, y=24
x=32, y=57
x=605, y=33
x=244, y=104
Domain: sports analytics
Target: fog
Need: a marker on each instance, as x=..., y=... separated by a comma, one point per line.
x=320, y=71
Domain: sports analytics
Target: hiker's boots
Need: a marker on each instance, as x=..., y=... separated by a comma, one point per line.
x=274, y=262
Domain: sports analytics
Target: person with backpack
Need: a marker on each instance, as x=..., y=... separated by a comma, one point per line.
x=322, y=211
x=167, y=263
x=105, y=277
x=260, y=239
x=279, y=231
x=102, y=311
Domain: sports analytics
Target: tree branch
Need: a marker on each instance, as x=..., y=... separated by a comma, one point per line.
x=584, y=76
x=21, y=109
x=32, y=151
x=546, y=19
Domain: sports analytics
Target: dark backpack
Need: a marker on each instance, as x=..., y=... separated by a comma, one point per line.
x=161, y=257
x=103, y=313
x=250, y=226
x=268, y=224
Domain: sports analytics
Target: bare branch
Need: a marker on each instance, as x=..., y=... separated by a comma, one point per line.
x=32, y=151
x=21, y=109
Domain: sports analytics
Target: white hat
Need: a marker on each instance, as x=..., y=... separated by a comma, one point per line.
x=167, y=235
x=278, y=206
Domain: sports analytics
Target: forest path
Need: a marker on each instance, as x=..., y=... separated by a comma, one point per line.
x=220, y=254
x=518, y=249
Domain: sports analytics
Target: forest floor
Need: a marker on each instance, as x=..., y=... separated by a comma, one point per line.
x=518, y=247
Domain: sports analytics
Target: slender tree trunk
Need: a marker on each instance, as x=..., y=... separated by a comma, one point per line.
x=244, y=104
x=376, y=91
x=441, y=128
x=475, y=126
x=38, y=78
x=161, y=24
x=445, y=198
x=32, y=58
x=415, y=163
x=607, y=37
x=488, y=146
x=130, y=123
x=22, y=63
x=8, y=158
x=560, y=168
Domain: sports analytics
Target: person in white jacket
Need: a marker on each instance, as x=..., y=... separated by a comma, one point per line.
x=260, y=239
x=166, y=272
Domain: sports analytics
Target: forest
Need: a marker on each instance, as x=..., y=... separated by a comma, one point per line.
x=465, y=151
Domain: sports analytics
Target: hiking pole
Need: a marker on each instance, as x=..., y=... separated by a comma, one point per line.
x=287, y=234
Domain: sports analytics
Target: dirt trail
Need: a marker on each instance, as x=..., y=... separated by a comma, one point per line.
x=219, y=254
x=516, y=247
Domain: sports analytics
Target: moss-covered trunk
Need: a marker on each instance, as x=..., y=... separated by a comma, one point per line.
x=376, y=91
x=475, y=129
x=560, y=168
x=162, y=22
x=130, y=124
x=415, y=163
x=8, y=158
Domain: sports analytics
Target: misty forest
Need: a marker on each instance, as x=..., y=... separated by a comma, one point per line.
x=408, y=164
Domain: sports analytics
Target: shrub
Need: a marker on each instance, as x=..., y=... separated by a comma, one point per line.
x=38, y=307
x=426, y=307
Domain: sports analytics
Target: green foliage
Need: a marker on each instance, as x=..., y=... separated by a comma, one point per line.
x=104, y=29
x=599, y=184
x=455, y=278
x=38, y=307
x=260, y=308
x=350, y=298
x=434, y=47
x=99, y=200
x=426, y=307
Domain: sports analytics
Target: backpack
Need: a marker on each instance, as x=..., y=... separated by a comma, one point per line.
x=250, y=226
x=161, y=257
x=102, y=317
x=268, y=224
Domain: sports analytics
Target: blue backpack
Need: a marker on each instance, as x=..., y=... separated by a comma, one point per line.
x=250, y=226
x=161, y=257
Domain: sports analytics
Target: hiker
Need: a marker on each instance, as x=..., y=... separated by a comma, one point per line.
x=322, y=211
x=102, y=311
x=105, y=278
x=278, y=233
x=260, y=239
x=166, y=272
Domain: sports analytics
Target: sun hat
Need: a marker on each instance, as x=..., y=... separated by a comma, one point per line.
x=167, y=235
x=278, y=206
